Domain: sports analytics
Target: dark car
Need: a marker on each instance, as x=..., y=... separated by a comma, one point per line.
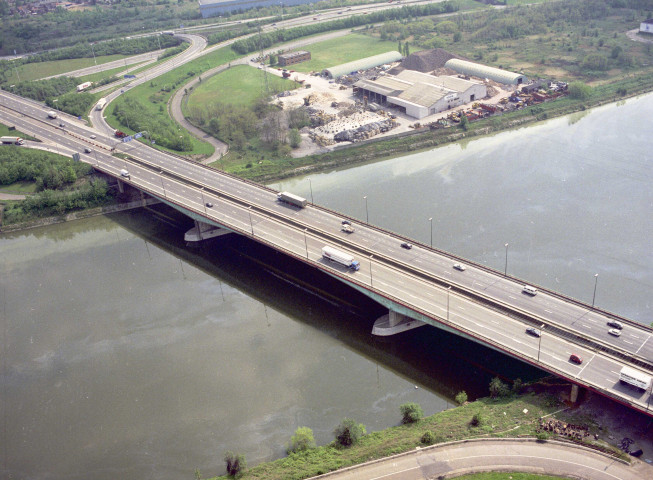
x=407, y=245
x=575, y=358
x=87, y=150
x=346, y=222
x=615, y=324
x=209, y=204
x=534, y=331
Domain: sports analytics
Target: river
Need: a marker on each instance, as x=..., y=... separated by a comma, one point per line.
x=125, y=354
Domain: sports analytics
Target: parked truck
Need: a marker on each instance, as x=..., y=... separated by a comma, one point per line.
x=52, y=114
x=101, y=103
x=292, y=199
x=635, y=378
x=119, y=134
x=12, y=140
x=342, y=258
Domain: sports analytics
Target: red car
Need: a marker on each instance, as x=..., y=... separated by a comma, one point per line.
x=576, y=358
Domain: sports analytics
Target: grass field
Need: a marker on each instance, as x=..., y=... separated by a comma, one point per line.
x=342, y=50
x=240, y=85
x=34, y=71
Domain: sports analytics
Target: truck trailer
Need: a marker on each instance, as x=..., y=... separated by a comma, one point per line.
x=12, y=140
x=635, y=378
x=83, y=86
x=292, y=199
x=342, y=258
x=101, y=103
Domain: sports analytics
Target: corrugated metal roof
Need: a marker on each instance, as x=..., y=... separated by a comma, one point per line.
x=446, y=81
x=375, y=87
x=484, y=71
x=363, y=64
x=423, y=94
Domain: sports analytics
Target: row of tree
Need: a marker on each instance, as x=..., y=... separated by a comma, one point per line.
x=48, y=170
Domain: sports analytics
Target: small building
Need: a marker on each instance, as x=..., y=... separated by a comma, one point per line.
x=362, y=64
x=291, y=58
x=646, y=26
x=483, y=71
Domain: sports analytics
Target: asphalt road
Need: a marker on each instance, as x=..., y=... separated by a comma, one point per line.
x=509, y=455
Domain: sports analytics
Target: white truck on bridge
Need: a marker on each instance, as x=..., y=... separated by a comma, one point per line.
x=101, y=103
x=342, y=258
x=635, y=378
x=292, y=199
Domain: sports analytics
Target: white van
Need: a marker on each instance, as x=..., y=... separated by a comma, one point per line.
x=529, y=290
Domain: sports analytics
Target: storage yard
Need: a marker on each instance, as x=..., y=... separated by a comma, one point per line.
x=342, y=112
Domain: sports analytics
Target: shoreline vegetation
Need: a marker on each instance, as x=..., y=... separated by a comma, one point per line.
x=517, y=412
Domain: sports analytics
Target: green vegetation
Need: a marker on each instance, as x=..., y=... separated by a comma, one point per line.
x=348, y=433
x=239, y=85
x=342, y=50
x=461, y=398
x=302, y=440
x=410, y=413
x=512, y=416
x=235, y=464
x=63, y=185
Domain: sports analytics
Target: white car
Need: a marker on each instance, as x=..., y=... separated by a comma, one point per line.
x=124, y=173
x=92, y=136
x=459, y=266
x=615, y=332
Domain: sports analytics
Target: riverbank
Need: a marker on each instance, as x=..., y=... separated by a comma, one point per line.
x=604, y=422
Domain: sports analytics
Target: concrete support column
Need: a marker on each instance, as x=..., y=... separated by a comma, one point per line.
x=143, y=199
x=396, y=318
x=574, y=393
x=121, y=187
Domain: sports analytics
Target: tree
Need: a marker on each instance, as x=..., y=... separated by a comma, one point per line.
x=411, y=413
x=498, y=388
x=464, y=122
x=579, y=90
x=294, y=138
x=348, y=432
x=235, y=463
x=302, y=440
x=461, y=397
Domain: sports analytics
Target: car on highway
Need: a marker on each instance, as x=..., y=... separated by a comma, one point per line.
x=459, y=266
x=209, y=204
x=614, y=331
x=87, y=150
x=615, y=324
x=406, y=245
x=576, y=358
x=346, y=222
x=124, y=173
x=62, y=125
x=92, y=136
x=529, y=290
x=534, y=331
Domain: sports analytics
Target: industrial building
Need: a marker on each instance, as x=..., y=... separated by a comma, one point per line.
x=646, y=26
x=362, y=64
x=213, y=8
x=420, y=94
x=472, y=69
x=291, y=58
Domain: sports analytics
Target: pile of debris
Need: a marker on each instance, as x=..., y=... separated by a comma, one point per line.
x=365, y=131
x=575, y=432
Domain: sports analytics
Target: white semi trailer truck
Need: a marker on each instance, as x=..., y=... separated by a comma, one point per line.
x=342, y=258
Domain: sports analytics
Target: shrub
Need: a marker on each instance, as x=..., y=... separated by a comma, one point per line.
x=579, y=90
x=235, y=464
x=542, y=436
x=348, y=432
x=302, y=440
x=428, y=438
x=498, y=388
x=411, y=413
x=461, y=398
x=477, y=420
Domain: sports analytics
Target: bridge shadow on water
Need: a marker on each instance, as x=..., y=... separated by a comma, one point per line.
x=440, y=361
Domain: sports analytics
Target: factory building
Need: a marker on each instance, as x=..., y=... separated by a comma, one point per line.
x=420, y=94
x=646, y=26
x=472, y=69
x=213, y=8
x=292, y=58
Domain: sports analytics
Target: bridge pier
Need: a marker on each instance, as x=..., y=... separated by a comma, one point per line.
x=204, y=231
x=393, y=323
x=573, y=396
x=121, y=186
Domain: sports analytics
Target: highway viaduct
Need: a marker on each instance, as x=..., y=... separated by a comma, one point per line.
x=418, y=286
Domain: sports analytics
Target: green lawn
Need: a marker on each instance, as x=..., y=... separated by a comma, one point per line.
x=34, y=71
x=342, y=50
x=19, y=188
x=239, y=85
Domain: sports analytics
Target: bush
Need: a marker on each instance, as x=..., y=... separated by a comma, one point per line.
x=302, y=440
x=579, y=90
x=498, y=388
x=348, y=432
x=411, y=413
x=235, y=464
x=428, y=438
x=542, y=436
x=461, y=398
x=477, y=420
